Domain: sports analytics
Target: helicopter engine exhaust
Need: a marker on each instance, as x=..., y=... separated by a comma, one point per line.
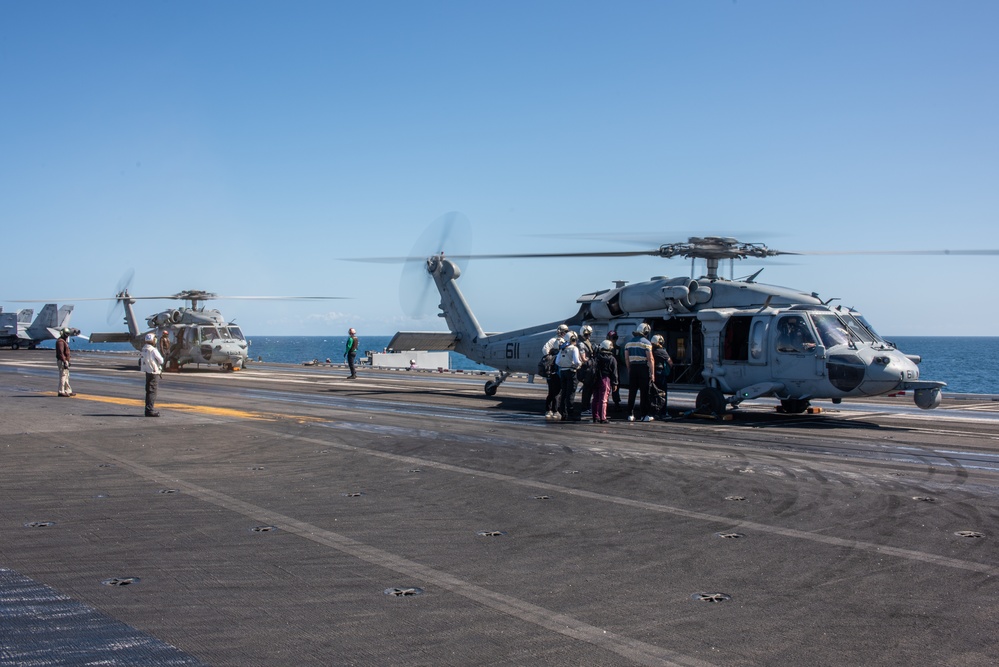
x=654, y=295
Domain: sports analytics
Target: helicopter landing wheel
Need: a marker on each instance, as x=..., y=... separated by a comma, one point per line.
x=491, y=388
x=227, y=367
x=710, y=401
x=15, y=346
x=794, y=406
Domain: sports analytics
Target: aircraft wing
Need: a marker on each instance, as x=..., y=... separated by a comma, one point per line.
x=118, y=337
x=423, y=340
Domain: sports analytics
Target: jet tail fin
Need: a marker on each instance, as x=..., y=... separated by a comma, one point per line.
x=62, y=319
x=46, y=320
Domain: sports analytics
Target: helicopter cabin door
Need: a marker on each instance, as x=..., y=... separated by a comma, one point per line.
x=798, y=358
x=744, y=349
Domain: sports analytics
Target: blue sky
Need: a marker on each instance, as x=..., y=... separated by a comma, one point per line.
x=245, y=147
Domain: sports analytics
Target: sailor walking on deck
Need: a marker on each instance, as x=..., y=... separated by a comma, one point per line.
x=350, y=353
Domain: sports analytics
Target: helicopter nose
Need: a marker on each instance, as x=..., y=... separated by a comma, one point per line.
x=887, y=370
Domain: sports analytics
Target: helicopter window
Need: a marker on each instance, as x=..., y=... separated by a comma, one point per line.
x=832, y=331
x=736, y=346
x=793, y=335
x=209, y=333
x=867, y=327
x=757, y=341
x=236, y=333
x=860, y=323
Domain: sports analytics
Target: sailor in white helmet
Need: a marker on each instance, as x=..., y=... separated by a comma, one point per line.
x=557, y=341
x=350, y=352
x=641, y=371
x=151, y=362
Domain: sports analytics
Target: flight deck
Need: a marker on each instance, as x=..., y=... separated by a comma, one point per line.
x=285, y=515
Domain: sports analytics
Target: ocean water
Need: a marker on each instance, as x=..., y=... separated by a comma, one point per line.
x=297, y=349
x=968, y=364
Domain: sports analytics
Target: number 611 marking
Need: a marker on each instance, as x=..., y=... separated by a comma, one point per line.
x=513, y=350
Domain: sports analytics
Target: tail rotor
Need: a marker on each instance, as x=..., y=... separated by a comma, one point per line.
x=449, y=235
x=115, y=309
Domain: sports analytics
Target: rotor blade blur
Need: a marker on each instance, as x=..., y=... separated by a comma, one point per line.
x=281, y=298
x=540, y=255
x=899, y=252
x=655, y=238
x=173, y=297
x=551, y=255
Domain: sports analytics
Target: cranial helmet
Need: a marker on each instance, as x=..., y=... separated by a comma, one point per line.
x=607, y=345
x=563, y=328
x=572, y=337
x=586, y=330
x=658, y=340
x=643, y=329
x=351, y=332
x=150, y=338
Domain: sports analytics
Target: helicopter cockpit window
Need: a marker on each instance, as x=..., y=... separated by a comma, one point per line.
x=793, y=335
x=236, y=333
x=832, y=330
x=859, y=331
x=867, y=326
x=209, y=333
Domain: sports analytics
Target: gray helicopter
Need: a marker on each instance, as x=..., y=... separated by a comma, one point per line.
x=194, y=335
x=734, y=339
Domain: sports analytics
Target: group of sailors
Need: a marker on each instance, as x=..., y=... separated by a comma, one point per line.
x=570, y=359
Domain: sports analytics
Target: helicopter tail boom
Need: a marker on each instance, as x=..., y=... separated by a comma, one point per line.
x=454, y=309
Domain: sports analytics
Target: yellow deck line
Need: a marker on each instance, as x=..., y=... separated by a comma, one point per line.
x=197, y=409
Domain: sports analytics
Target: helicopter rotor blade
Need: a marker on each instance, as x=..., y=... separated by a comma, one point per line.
x=274, y=298
x=964, y=252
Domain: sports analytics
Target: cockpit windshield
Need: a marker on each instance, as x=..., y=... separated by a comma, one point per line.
x=235, y=332
x=832, y=330
x=861, y=329
x=209, y=333
x=867, y=325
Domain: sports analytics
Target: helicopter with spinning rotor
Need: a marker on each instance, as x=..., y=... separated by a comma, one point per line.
x=730, y=340
x=196, y=335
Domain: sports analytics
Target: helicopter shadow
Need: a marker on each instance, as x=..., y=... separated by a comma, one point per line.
x=798, y=422
x=503, y=403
